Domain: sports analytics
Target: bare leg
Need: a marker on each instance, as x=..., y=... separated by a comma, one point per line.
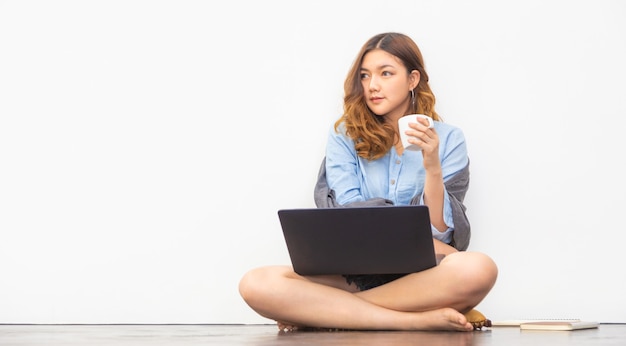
x=296, y=300
x=429, y=300
x=460, y=281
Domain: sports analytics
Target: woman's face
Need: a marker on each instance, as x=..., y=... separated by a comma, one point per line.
x=386, y=84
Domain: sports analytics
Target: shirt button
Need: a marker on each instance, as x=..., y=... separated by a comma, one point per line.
x=393, y=181
x=398, y=162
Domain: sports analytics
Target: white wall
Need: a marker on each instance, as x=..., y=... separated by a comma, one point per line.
x=145, y=147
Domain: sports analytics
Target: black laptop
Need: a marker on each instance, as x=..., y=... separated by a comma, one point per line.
x=364, y=240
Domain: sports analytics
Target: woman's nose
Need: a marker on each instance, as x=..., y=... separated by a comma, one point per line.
x=374, y=84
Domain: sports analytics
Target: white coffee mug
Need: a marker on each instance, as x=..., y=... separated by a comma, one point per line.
x=403, y=126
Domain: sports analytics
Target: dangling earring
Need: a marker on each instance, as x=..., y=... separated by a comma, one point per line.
x=413, y=101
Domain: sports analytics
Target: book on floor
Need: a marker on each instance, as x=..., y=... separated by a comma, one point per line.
x=516, y=323
x=558, y=325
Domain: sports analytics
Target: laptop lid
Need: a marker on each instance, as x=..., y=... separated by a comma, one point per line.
x=364, y=240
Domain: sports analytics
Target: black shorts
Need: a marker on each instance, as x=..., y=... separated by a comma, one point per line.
x=365, y=282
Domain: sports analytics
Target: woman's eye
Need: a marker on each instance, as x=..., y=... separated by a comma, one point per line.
x=387, y=73
x=364, y=75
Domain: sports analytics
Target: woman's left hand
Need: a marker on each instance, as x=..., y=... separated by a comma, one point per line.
x=427, y=139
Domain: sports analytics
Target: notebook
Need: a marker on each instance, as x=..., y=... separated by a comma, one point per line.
x=363, y=240
x=562, y=325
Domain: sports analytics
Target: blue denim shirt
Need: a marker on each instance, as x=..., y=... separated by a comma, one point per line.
x=396, y=178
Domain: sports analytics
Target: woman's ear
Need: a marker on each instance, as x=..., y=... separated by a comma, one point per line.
x=414, y=79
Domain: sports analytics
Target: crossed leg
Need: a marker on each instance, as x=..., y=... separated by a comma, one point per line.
x=434, y=299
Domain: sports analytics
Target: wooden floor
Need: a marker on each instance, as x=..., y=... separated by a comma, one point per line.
x=261, y=335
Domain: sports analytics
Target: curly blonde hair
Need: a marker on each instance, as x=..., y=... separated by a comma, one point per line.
x=372, y=136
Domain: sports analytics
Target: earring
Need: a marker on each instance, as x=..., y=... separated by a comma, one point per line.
x=412, y=99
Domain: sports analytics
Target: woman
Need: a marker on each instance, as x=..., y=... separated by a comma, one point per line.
x=366, y=164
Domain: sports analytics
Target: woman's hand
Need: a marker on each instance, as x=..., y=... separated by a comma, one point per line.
x=427, y=139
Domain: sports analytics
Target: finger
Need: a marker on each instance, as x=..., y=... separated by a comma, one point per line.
x=422, y=136
x=421, y=125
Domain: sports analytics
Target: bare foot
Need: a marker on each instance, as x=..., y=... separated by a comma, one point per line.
x=442, y=319
x=446, y=319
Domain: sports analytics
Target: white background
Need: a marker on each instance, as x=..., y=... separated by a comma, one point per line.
x=145, y=147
